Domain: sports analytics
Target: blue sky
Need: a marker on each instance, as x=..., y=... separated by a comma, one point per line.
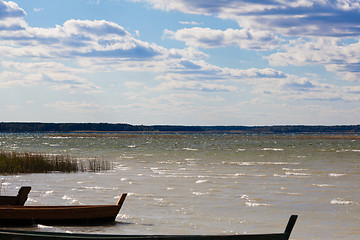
x=182, y=62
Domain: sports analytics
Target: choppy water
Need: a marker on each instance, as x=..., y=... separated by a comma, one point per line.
x=204, y=183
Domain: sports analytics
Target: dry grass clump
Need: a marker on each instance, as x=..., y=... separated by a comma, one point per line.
x=27, y=162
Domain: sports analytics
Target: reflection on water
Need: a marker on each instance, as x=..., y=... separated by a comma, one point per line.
x=203, y=183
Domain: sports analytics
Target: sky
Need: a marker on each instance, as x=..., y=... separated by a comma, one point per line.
x=180, y=62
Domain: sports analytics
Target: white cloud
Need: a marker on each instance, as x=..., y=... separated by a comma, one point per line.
x=212, y=38
x=292, y=18
x=195, y=86
x=10, y=79
x=76, y=38
x=56, y=75
x=133, y=85
x=9, y=10
x=11, y=17
x=297, y=88
x=331, y=53
x=189, y=23
x=38, y=9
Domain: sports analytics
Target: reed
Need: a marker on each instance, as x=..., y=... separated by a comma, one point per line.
x=94, y=165
x=27, y=162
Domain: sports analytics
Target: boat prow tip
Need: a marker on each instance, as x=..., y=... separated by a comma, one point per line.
x=121, y=199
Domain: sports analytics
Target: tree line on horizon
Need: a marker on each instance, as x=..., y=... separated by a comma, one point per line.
x=16, y=127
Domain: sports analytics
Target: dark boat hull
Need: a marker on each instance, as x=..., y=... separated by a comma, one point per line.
x=57, y=236
x=32, y=235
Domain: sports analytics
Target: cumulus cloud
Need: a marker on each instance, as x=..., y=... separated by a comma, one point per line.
x=213, y=38
x=10, y=79
x=331, y=53
x=318, y=27
x=11, y=17
x=53, y=74
x=75, y=38
x=192, y=69
x=300, y=88
x=9, y=10
x=292, y=18
x=195, y=86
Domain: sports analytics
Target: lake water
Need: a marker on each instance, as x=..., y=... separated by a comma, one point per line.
x=204, y=183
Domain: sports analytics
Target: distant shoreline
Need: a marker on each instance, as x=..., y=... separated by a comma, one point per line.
x=37, y=127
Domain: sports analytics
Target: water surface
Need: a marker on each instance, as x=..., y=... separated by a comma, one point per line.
x=204, y=183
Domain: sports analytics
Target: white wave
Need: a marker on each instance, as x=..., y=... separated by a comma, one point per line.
x=241, y=150
x=297, y=169
x=290, y=193
x=292, y=174
x=122, y=168
x=201, y=193
x=341, y=201
x=126, y=157
x=124, y=216
x=348, y=150
x=5, y=183
x=47, y=193
x=244, y=196
x=31, y=200
x=69, y=199
x=201, y=181
x=255, y=204
x=323, y=185
x=57, y=137
x=260, y=163
x=131, y=146
x=44, y=226
x=190, y=149
x=297, y=174
x=244, y=163
x=336, y=175
x=273, y=149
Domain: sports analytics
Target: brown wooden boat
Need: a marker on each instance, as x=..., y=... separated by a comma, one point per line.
x=65, y=215
x=35, y=235
x=20, y=199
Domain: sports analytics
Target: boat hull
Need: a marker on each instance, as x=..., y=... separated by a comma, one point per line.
x=66, y=236
x=64, y=215
x=34, y=235
x=58, y=215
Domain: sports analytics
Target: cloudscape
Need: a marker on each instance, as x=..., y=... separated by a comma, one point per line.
x=232, y=62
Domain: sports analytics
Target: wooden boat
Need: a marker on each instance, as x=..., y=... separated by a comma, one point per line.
x=20, y=199
x=79, y=214
x=32, y=235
